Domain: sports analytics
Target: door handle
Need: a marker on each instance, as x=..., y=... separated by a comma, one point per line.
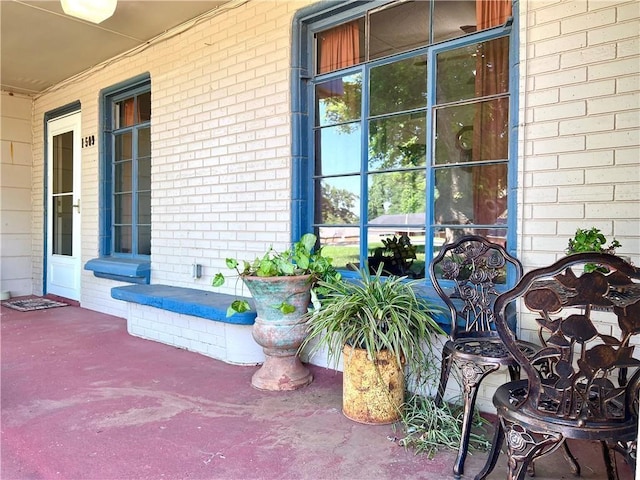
x=77, y=206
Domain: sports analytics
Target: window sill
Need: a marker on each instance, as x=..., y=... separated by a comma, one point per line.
x=122, y=269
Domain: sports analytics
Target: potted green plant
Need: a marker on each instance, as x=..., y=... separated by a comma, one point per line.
x=280, y=284
x=380, y=327
x=592, y=240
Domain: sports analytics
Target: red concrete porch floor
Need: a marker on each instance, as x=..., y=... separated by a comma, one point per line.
x=81, y=399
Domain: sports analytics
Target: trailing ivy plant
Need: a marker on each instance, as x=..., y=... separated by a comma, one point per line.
x=301, y=259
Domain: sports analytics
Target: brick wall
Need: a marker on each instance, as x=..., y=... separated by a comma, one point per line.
x=221, y=139
x=579, y=118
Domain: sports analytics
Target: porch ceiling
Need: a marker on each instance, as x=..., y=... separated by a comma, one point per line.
x=41, y=46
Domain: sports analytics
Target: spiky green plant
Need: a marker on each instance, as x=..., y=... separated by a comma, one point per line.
x=374, y=313
x=429, y=427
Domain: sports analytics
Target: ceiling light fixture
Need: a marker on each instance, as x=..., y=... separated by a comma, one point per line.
x=95, y=11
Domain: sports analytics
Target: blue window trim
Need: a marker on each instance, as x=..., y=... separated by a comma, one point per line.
x=70, y=108
x=322, y=15
x=108, y=265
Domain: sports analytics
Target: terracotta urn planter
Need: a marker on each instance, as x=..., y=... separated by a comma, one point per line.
x=280, y=334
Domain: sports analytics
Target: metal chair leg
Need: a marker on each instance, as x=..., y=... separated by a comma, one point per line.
x=445, y=370
x=496, y=446
x=472, y=375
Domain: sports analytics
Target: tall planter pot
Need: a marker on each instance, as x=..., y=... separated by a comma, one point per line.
x=280, y=334
x=372, y=393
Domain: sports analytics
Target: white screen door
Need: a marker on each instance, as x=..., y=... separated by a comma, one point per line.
x=63, y=207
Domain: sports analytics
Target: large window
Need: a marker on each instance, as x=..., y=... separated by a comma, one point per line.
x=129, y=155
x=410, y=135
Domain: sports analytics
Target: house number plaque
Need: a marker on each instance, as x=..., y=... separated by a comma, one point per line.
x=88, y=141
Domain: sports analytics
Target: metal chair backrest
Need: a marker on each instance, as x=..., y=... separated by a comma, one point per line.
x=468, y=275
x=587, y=371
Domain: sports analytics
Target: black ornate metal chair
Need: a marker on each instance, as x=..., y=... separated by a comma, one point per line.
x=467, y=275
x=584, y=383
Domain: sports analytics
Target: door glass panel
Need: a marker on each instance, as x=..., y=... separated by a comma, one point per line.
x=471, y=195
x=399, y=86
x=63, y=163
x=62, y=228
x=338, y=200
x=399, y=28
x=398, y=142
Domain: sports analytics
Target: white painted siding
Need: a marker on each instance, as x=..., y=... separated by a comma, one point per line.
x=15, y=195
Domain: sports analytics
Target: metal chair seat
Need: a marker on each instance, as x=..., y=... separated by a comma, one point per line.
x=584, y=381
x=487, y=348
x=468, y=275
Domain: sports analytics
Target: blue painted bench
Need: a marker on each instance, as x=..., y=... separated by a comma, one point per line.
x=188, y=301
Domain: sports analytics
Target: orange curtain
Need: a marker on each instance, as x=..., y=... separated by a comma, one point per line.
x=491, y=117
x=339, y=47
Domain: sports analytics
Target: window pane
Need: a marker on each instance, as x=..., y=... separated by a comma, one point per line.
x=338, y=200
x=399, y=86
x=453, y=18
x=122, y=209
x=63, y=163
x=471, y=195
x=394, y=196
x=123, y=147
x=398, y=142
x=399, y=28
x=144, y=142
x=475, y=131
x=451, y=234
x=62, y=234
x=339, y=100
x=399, y=250
x=342, y=245
x=122, y=239
x=124, y=115
x=144, y=208
x=473, y=71
x=122, y=177
x=144, y=174
x=144, y=107
x=338, y=149
x=144, y=240
x=340, y=47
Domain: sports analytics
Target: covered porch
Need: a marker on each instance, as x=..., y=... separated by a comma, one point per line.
x=82, y=399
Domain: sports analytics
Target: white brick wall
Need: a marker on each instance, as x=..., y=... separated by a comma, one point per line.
x=221, y=138
x=580, y=142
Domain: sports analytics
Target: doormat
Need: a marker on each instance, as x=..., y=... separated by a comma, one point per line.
x=33, y=304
